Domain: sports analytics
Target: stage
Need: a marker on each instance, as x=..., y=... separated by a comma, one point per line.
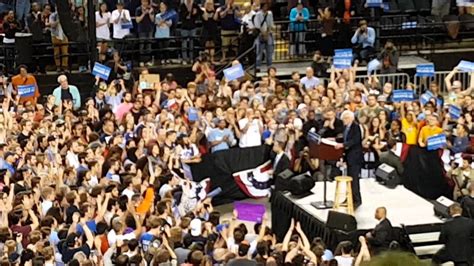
x=403, y=208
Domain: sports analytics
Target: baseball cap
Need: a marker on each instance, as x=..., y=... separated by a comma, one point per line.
x=196, y=227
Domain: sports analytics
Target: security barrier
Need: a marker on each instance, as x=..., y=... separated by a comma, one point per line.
x=423, y=83
x=398, y=80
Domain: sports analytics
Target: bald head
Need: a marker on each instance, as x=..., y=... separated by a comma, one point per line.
x=457, y=84
x=455, y=209
x=380, y=213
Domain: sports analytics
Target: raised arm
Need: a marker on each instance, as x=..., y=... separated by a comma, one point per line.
x=88, y=233
x=364, y=254
x=449, y=77
x=286, y=240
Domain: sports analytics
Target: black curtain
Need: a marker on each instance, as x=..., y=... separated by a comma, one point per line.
x=220, y=166
x=424, y=174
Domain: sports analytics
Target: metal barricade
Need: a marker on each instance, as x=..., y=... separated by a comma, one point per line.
x=423, y=83
x=398, y=80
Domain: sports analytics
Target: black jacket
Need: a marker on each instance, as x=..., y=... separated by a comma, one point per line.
x=456, y=235
x=382, y=235
x=282, y=165
x=353, y=145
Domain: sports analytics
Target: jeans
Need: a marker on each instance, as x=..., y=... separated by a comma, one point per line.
x=22, y=9
x=187, y=44
x=145, y=46
x=267, y=46
x=297, y=45
x=363, y=54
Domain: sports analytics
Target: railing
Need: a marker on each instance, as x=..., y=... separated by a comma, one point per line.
x=247, y=59
x=289, y=45
x=398, y=80
x=423, y=83
x=424, y=34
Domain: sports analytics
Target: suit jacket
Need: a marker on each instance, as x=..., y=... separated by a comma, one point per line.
x=382, y=235
x=282, y=165
x=353, y=145
x=456, y=235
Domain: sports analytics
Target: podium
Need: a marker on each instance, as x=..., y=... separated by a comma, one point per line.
x=324, y=149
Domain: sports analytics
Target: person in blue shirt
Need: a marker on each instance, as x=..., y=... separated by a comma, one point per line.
x=9, y=161
x=163, y=23
x=221, y=138
x=299, y=15
x=364, y=41
x=460, y=142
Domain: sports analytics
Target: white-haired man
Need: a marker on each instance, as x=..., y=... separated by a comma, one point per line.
x=353, y=153
x=66, y=92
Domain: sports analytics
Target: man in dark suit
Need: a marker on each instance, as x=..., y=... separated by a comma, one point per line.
x=382, y=235
x=456, y=235
x=352, y=153
x=467, y=203
x=281, y=162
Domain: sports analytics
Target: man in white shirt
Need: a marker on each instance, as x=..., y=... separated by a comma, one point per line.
x=72, y=158
x=310, y=82
x=122, y=22
x=251, y=128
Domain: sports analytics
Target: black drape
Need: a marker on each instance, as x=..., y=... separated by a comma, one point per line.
x=424, y=174
x=220, y=166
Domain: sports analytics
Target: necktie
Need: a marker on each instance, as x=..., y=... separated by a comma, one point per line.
x=346, y=132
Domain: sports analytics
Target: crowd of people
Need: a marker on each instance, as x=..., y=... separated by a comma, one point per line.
x=105, y=179
x=224, y=29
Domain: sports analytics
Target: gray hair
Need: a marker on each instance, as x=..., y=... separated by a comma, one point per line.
x=348, y=113
x=61, y=78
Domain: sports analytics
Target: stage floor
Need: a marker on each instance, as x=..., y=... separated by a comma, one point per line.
x=403, y=206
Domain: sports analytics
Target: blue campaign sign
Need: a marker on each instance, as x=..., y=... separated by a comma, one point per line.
x=403, y=96
x=342, y=58
x=101, y=71
x=342, y=62
x=409, y=25
x=234, y=72
x=425, y=70
x=127, y=25
x=436, y=142
x=343, y=53
x=466, y=66
x=374, y=3
x=192, y=114
x=454, y=111
x=425, y=97
x=26, y=90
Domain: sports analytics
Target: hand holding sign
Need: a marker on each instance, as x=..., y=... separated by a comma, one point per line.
x=436, y=142
x=26, y=90
x=466, y=66
x=101, y=71
x=234, y=72
x=342, y=58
